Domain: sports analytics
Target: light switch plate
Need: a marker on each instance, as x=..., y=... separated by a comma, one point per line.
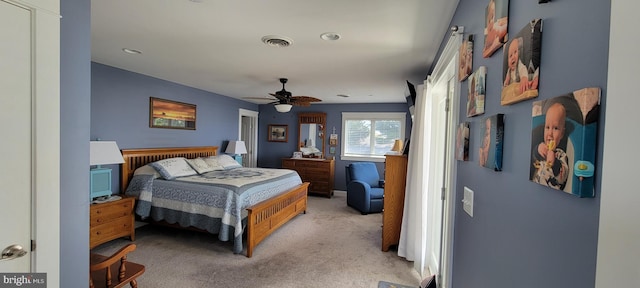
x=467, y=201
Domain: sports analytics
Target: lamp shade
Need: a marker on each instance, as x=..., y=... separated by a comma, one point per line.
x=283, y=108
x=236, y=147
x=104, y=152
x=397, y=146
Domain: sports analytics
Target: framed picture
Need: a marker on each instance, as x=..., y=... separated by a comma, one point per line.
x=171, y=114
x=563, y=145
x=462, y=142
x=278, y=133
x=297, y=154
x=521, y=65
x=476, y=95
x=466, y=58
x=495, y=29
x=492, y=129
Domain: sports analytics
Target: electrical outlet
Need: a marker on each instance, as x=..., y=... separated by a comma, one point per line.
x=467, y=201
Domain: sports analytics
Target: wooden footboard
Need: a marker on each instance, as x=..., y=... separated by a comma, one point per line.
x=266, y=216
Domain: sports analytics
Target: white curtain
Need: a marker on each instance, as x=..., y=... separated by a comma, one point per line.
x=413, y=233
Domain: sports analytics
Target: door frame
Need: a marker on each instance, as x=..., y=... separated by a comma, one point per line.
x=449, y=56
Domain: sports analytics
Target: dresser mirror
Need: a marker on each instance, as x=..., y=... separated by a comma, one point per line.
x=311, y=134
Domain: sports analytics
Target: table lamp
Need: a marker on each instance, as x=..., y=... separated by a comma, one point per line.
x=397, y=146
x=236, y=148
x=102, y=153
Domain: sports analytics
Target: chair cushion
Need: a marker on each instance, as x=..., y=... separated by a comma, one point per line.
x=366, y=172
x=377, y=193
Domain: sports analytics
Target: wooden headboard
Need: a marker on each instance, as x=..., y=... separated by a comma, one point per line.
x=135, y=158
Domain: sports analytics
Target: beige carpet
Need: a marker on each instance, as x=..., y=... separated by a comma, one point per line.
x=330, y=246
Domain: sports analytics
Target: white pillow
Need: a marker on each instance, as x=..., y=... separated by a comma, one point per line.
x=200, y=165
x=213, y=162
x=173, y=167
x=147, y=170
x=227, y=162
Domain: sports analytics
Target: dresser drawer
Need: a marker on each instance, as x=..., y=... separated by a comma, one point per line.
x=111, y=220
x=319, y=186
x=313, y=164
x=117, y=228
x=110, y=211
x=316, y=174
x=319, y=173
x=288, y=164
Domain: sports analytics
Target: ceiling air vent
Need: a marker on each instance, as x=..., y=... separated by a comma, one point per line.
x=277, y=41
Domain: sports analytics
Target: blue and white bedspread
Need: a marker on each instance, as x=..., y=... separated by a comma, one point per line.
x=214, y=201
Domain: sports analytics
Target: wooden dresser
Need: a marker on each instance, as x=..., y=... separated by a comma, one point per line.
x=111, y=220
x=395, y=177
x=318, y=172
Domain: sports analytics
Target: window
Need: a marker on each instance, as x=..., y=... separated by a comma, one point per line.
x=368, y=136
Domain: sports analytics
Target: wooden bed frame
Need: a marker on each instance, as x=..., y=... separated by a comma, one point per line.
x=263, y=218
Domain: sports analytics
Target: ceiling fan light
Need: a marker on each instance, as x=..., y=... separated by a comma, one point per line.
x=283, y=108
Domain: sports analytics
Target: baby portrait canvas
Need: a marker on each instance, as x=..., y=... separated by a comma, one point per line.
x=462, y=142
x=476, y=95
x=490, y=151
x=521, y=66
x=466, y=58
x=495, y=28
x=563, y=141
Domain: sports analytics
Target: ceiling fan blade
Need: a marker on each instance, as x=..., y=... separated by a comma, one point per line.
x=259, y=98
x=301, y=103
x=305, y=99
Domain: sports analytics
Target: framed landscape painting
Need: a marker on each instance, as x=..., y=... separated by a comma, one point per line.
x=563, y=141
x=171, y=114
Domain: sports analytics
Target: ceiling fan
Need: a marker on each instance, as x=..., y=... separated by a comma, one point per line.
x=284, y=100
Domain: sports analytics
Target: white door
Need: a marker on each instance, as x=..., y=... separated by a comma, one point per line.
x=442, y=88
x=248, y=133
x=444, y=105
x=16, y=118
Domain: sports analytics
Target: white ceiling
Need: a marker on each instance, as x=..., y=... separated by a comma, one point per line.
x=215, y=45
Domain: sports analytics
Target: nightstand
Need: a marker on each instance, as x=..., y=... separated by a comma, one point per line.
x=111, y=220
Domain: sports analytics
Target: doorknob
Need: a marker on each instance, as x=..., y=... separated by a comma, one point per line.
x=12, y=252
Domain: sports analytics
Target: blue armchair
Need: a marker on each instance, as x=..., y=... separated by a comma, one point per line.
x=365, y=190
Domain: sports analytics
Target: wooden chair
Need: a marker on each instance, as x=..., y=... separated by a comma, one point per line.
x=114, y=271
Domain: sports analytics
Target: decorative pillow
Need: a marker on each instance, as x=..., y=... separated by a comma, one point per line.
x=227, y=162
x=147, y=170
x=200, y=165
x=171, y=168
x=213, y=163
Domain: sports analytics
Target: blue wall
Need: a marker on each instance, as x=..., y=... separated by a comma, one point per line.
x=75, y=102
x=523, y=234
x=120, y=112
x=270, y=154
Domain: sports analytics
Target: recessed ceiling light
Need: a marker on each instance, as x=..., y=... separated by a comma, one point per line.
x=131, y=51
x=330, y=36
x=277, y=41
